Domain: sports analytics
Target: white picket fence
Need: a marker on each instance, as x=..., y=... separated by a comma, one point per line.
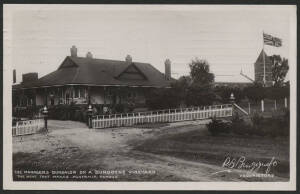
x=161, y=116
x=27, y=127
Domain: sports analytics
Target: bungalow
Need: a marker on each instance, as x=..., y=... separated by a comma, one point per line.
x=87, y=80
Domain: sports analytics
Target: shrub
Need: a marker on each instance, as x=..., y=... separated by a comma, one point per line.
x=257, y=120
x=68, y=112
x=239, y=126
x=217, y=126
x=278, y=125
x=119, y=108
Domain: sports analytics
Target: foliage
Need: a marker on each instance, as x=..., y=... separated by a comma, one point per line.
x=119, y=108
x=28, y=112
x=280, y=68
x=193, y=90
x=163, y=98
x=217, y=126
x=181, y=87
x=224, y=92
x=68, y=112
x=200, y=90
x=239, y=126
x=277, y=92
x=255, y=93
x=276, y=126
x=199, y=96
x=200, y=73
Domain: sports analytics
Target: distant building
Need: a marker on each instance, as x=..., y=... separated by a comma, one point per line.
x=230, y=82
x=240, y=85
x=259, y=69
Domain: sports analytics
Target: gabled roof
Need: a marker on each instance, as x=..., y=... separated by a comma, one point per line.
x=261, y=56
x=100, y=72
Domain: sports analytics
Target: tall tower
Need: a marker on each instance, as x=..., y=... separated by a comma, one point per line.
x=259, y=69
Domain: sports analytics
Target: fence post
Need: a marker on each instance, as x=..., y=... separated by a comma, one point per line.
x=90, y=112
x=285, y=102
x=45, y=113
x=275, y=105
x=249, y=108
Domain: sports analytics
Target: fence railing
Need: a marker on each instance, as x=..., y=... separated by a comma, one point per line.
x=161, y=116
x=27, y=127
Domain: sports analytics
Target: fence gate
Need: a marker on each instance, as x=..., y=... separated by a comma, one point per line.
x=161, y=116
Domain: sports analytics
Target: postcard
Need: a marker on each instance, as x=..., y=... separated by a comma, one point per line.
x=149, y=97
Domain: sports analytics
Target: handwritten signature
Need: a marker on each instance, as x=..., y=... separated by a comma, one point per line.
x=254, y=166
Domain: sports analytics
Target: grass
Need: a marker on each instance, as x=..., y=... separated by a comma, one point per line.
x=196, y=146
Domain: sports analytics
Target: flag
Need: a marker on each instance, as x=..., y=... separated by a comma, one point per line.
x=271, y=40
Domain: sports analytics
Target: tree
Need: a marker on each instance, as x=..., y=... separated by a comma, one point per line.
x=181, y=87
x=200, y=73
x=200, y=90
x=280, y=68
x=163, y=98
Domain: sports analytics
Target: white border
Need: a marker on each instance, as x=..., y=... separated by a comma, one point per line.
x=8, y=183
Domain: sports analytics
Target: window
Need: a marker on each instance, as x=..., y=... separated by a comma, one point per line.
x=76, y=95
x=79, y=92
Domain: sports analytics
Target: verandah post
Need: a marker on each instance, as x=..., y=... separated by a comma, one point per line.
x=262, y=105
x=285, y=102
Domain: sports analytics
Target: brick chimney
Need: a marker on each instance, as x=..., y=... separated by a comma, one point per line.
x=29, y=77
x=128, y=59
x=14, y=76
x=73, y=51
x=167, y=69
x=89, y=55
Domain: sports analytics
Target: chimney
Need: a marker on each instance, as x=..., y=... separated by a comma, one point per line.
x=128, y=59
x=29, y=77
x=14, y=76
x=89, y=55
x=167, y=69
x=73, y=51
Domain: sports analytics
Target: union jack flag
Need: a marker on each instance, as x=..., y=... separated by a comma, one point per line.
x=271, y=40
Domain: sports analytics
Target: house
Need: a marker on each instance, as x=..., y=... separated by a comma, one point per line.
x=87, y=80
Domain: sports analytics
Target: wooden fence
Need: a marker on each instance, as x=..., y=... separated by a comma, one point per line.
x=161, y=116
x=27, y=127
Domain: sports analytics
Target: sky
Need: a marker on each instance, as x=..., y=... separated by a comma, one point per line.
x=39, y=37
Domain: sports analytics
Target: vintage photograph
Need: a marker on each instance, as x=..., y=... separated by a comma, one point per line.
x=150, y=93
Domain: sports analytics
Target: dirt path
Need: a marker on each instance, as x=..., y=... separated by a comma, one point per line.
x=75, y=145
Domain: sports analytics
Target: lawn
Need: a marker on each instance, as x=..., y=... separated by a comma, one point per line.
x=198, y=145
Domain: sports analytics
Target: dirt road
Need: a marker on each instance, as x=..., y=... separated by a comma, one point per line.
x=70, y=145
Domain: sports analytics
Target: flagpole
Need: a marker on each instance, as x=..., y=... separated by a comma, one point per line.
x=264, y=61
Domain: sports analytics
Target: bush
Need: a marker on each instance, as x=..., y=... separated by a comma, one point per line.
x=257, y=120
x=273, y=127
x=277, y=126
x=239, y=126
x=119, y=108
x=68, y=112
x=163, y=98
x=217, y=126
